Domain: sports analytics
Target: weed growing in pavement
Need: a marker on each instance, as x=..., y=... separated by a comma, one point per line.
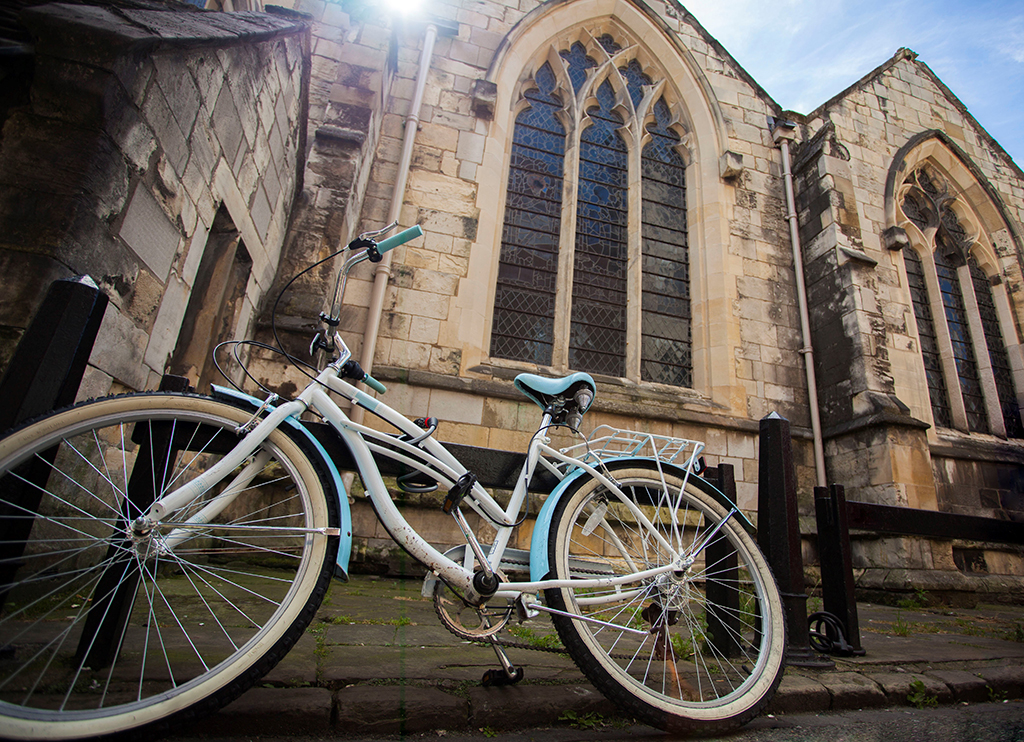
x=338, y=620
x=965, y=626
x=914, y=602
x=529, y=636
x=995, y=696
x=589, y=721
x=1016, y=634
x=488, y=732
x=900, y=627
x=320, y=650
x=919, y=697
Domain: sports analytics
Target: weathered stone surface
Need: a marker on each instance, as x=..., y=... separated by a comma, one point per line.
x=850, y=690
x=399, y=709
x=503, y=707
x=273, y=711
x=799, y=694
x=966, y=687
x=900, y=686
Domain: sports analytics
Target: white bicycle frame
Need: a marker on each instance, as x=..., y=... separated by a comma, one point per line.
x=423, y=453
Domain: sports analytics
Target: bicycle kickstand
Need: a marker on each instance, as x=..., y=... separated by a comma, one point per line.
x=509, y=674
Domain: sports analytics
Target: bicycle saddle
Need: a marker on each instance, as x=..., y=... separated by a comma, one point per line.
x=546, y=392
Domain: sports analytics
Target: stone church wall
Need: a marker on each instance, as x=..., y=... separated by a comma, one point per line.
x=142, y=126
x=881, y=439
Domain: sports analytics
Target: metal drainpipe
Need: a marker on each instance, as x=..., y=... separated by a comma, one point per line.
x=782, y=133
x=383, y=272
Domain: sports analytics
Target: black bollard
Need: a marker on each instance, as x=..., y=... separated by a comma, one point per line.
x=778, y=535
x=723, y=600
x=50, y=360
x=44, y=374
x=835, y=556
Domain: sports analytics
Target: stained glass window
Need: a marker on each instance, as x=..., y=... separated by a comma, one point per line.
x=666, y=346
x=596, y=336
x=928, y=204
x=996, y=351
x=928, y=339
x=524, y=303
x=963, y=347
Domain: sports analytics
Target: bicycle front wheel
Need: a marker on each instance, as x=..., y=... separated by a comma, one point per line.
x=698, y=648
x=109, y=623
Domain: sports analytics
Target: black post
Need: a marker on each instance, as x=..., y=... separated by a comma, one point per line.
x=50, y=360
x=116, y=589
x=835, y=556
x=778, y=535
x=44, y=374
x=721, y=567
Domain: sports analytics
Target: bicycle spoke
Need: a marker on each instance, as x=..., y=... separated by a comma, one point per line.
x=153, y=630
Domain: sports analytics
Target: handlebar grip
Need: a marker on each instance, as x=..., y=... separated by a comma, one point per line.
x=399, y=239
x=374, y=384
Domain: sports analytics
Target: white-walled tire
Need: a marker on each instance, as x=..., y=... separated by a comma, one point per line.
x=204, y=618
x=664, y=651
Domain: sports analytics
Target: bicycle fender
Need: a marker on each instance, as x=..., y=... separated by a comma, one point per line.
x=539, y=566
x=345, y=545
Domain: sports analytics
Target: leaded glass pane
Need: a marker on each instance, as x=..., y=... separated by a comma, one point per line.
x=635, y=78
x=597, y=333
x=524, y=303
x=666, y=348
x=609, y=45
x=997, y=352
x=577, y=62
x=929, y=342
x=963, y=347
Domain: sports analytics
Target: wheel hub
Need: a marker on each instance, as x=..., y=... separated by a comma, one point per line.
x=144, y=537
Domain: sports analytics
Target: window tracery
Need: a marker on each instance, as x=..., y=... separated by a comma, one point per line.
x=619, y=169
x=978, y=369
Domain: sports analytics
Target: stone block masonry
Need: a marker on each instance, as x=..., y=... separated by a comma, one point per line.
x=178, y=122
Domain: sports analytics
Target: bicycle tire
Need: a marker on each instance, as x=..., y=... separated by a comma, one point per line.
x=202, y=620
x=696, y=665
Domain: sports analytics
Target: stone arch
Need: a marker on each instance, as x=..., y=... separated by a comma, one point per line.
x=977, y=200
x=959, y=193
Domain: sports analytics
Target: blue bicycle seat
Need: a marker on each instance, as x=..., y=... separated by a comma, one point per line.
x=544, y=391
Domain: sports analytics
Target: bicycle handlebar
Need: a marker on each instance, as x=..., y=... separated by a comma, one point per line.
x=374, y=384
x=399, y=239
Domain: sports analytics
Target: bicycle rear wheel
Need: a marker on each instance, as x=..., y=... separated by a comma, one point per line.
x=699, y=648
x=109, y=625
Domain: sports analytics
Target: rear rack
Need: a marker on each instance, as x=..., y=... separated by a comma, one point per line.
x=606, y=442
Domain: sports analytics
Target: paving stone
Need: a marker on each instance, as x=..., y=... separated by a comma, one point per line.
x=503, y=707
x=1007, y=680
x=399, y=709
x=850, y=690
x=966, y=687
x=898, y=686
x=797, y=694
x=272, y=711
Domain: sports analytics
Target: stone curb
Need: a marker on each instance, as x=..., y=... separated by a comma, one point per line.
x=394, y=708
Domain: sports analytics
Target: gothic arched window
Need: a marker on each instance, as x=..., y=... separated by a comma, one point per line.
x=594, y=265
x=973, y=388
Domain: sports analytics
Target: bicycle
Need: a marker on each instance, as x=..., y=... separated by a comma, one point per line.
x=160, y=552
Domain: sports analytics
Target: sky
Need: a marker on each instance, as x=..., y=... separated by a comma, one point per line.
x=803, y=52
